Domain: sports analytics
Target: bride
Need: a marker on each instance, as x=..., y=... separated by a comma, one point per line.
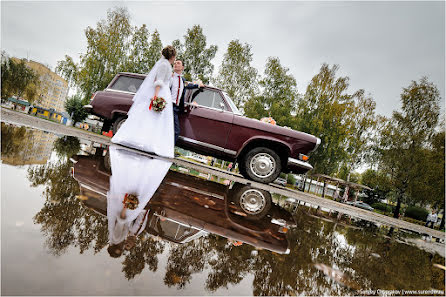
x=146, y=129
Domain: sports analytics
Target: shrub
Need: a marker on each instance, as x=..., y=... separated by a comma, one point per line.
x=383, y=206
x=291, y=180
x=413, y=221
x=417, y=213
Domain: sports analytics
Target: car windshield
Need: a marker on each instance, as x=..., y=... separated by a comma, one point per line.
x=231, y=104
x=127, y=84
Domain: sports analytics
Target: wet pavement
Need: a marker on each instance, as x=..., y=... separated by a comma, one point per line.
x=199, y=234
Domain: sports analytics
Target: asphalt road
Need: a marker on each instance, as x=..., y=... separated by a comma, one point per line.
x=20, y=119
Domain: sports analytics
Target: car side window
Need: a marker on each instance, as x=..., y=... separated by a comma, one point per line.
x=127, y=84
x=208, y=98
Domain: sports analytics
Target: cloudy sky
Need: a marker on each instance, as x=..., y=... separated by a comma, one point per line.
x=381, y=46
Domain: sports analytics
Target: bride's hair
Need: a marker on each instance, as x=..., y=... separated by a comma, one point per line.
x=169, y=52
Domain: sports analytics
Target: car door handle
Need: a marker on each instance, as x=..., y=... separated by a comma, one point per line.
x=191, y=106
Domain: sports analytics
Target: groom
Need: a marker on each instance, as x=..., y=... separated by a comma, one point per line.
x=178, y=90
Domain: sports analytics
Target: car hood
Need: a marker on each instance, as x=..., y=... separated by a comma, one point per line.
x=257, y=124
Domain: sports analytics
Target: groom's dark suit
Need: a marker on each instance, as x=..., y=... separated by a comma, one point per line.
x=180, y=107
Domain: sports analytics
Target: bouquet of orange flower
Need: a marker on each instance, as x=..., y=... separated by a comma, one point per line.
x=268, y=120
x=130, y=201
x=157, y=103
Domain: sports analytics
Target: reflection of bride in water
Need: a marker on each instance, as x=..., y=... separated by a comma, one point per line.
x=132, y=176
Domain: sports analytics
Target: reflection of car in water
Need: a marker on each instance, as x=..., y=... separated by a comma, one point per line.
x=185, y=207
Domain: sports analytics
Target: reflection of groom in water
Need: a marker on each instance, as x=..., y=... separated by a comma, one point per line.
x=178, y=90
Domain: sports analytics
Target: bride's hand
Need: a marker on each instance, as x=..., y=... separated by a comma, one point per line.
x=157, y=89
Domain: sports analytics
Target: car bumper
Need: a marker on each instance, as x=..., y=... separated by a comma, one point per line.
x=298, y=166
x=88, y=107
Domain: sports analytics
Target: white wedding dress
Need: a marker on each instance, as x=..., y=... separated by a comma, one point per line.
x=145, y=129
x=132, y=173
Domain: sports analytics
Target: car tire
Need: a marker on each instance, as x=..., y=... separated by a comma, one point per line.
x=262, y=165
x=255, y=203
x=117, y=123
x=107, y=162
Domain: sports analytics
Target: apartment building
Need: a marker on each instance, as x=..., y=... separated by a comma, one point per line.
x=53, y=88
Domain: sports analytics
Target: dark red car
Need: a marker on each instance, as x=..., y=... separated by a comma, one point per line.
x=215, y=127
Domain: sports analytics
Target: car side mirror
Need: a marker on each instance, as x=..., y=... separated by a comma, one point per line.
x=222, y=106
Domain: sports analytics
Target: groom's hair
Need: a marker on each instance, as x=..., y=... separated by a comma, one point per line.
x=169, y=52
x=115, y=250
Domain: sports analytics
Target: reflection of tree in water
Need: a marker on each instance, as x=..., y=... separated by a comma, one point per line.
x=229, y=264
x=310, y=243
x=62, y=218
x=15, y=141
x=66, y=222
x=144, y=252
x=387, y=264
x=67, y=146
x=367, y=260
x=362, y=260
x=184, y=260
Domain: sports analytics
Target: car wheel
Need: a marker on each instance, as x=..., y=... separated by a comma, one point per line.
x=107, y=162
x=255, y=203
x=262, y=165
x=118, y=123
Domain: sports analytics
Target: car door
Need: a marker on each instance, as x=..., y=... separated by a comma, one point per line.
x=207, y=120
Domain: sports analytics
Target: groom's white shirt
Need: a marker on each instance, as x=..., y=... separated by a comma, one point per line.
x=176, y=83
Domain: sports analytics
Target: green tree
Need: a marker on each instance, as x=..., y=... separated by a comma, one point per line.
x=138, y=47
x=74, y=107
x=18, y=79
x=194, y=54
x=363, y=131
x=113, y=46
x=236, y=75
x=435, y=173
x=155, y=48
x=143, y=55
x=342, y=121
x=379, y=182
x=405, y=139
x=279, y=95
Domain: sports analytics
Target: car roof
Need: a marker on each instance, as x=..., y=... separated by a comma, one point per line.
x=133, y=74
x=140, y=75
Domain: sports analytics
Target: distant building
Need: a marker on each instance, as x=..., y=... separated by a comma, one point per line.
x=53, y=88
x=50, y=114
x=17, y=104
